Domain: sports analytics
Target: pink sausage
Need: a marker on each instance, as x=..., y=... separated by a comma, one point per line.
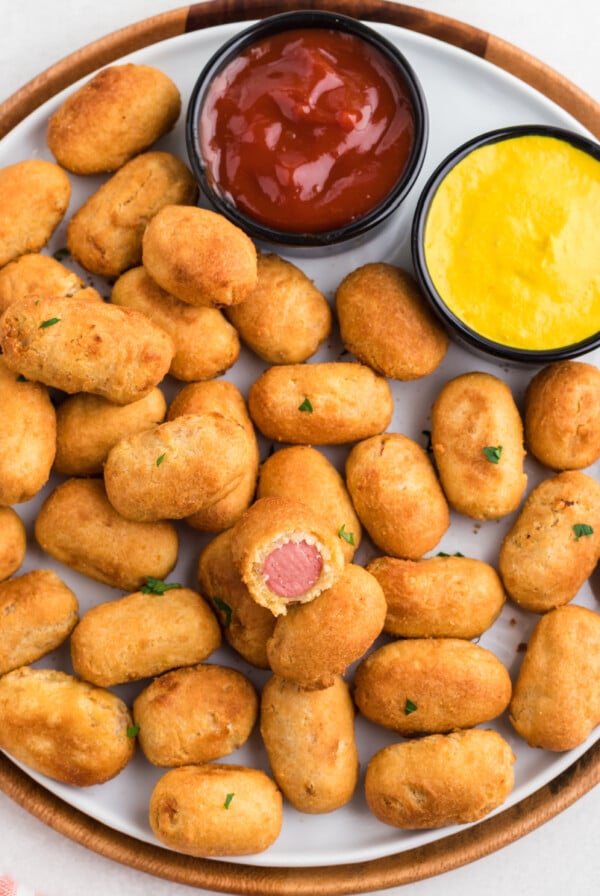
x=293, y=568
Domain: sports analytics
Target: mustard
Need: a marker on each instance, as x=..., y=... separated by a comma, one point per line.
x=512, y=242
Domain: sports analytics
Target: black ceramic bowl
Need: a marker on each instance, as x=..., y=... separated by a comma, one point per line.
x=466, y=318
x=312, y=235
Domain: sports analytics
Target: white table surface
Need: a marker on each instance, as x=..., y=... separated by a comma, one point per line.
x=564, y=854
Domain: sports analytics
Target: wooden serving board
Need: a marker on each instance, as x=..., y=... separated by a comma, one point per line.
x=413, y=864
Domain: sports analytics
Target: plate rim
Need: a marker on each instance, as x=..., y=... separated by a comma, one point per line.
x=407, y=866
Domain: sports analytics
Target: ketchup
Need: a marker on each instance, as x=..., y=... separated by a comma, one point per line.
x=307, y=130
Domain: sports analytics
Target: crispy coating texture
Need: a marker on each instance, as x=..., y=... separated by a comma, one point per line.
x=438, y=597
x=225, y=398
x=38, y=613
x=195, y=714
x=556, y=699
x=64, y=728
x=35, y=196
x=246, y=625
x=206, y=345
x=285, y=319
x=440, y=780
x=81, y=346
x=27, y=438
x=105, y=233
x=310, y=742
x=386, y=323
x=391, y=479
x=38, y=275
x=562, y=415
x=473, y=412
x=141, y=635
x=199, y=256
x=270, y=523
x=316, y=641
x=216, y=809
x=177, y=468
x=327, y=403
x=115, y=115
x=302, y=472
x=546, y=556
x=78, y=526
x=87, y=427
x=431, y=686
x=13, y=542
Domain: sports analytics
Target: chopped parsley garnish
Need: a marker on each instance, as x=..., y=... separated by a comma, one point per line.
x=444, y=554
x=347, y=536
x=228, y=800
x=49, y=323
x=160, y=459
x=225, y=609
x=581, y=530
x=157, y=586
x=493, y=452
x=306, y=406
x=21, y=378
x=409, y=707
x=132, y=730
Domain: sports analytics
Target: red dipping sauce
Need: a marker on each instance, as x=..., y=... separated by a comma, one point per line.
x=307, y=130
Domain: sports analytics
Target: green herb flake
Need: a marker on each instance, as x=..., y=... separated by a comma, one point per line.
x=444, y=554
x=22, y=379
x=581, y=530
x=306, y=406
x=157, y=586
x=61, y=253
x=228, y=800
x=409, y=707
x=225, y=609
x=347, y=536
x=493, y=452
x=132, y=730
x=160, y=459
x=49, y=323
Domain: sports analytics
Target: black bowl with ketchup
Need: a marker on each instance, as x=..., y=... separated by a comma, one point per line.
x=307, y=129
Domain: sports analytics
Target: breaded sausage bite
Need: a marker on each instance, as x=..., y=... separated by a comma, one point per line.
x=562, y=415
x=80, y=346
x=81, y=732
x=477, y=440
x=326, y=403
x=391, y=481
x=556, y=699
x=38, y=275
x=300, y=471
x=285, y=553
x=285, y=318
x=35, y=196
x=386, y=323
x=118, y=113
x=27, y=437
x=105, y=233
x=13, y=542
x=206, y=345
x=440, y=780
x=554, y=544
x=199, y=256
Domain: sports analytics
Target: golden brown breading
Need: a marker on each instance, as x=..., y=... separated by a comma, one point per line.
x=302, y=473
x=440, y=780
x=554, y=544
x=78, y=526
x=556, y=699
x=310, y=742
x=216, y=810
x=118, y=113
x=438, y=597
x=38, y=613
x=391, y=480
x=27, y=437
x=431, y=685
x=143, y=634
x=477, y=440
x=562, y=415
x=13, y=542
x=246, y=625
x=386, y=323
x=199, y=256
x=326, y=403
x=64, y=728
x=285, y=318
x=315, y=641
x=81, y=346
x=195, y=714
x=35, y=196
x=38, y=275
x=105, y=234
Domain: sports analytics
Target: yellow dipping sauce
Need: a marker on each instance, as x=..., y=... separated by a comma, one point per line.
x=512, y=242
